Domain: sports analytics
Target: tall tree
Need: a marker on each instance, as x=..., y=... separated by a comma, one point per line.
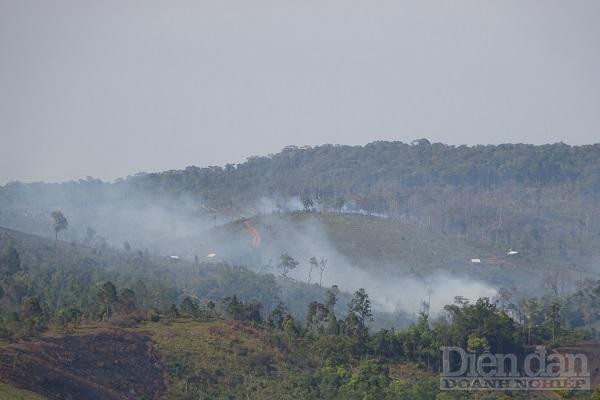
x=107, y=296
x=188, y=307
x=330, y=302
x=59, y=221
x=10, y=262
x=286, y=264
x=359, y=312
x=360, y=305
x=314, y=264
x=322, y=266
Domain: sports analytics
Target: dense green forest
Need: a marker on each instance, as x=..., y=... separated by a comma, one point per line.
x=387, y=168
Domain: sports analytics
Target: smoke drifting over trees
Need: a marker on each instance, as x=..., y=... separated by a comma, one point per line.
x=468, y=202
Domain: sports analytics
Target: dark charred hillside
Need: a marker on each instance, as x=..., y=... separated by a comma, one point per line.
x=103, y=366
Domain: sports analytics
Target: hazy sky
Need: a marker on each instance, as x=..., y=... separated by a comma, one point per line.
x=110, y=88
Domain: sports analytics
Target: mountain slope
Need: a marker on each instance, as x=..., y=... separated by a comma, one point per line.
x=543, y=199
x=198, y=359
x=382, y=247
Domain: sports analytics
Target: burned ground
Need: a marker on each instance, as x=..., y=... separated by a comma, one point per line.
x=109, y=365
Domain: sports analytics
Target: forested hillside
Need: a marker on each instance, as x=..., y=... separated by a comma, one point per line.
x=436, y=206
x=508, y=195
x=538, y=200
x=389, y=168
x=63, y=276
x=153, y=327
x=274, y=278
